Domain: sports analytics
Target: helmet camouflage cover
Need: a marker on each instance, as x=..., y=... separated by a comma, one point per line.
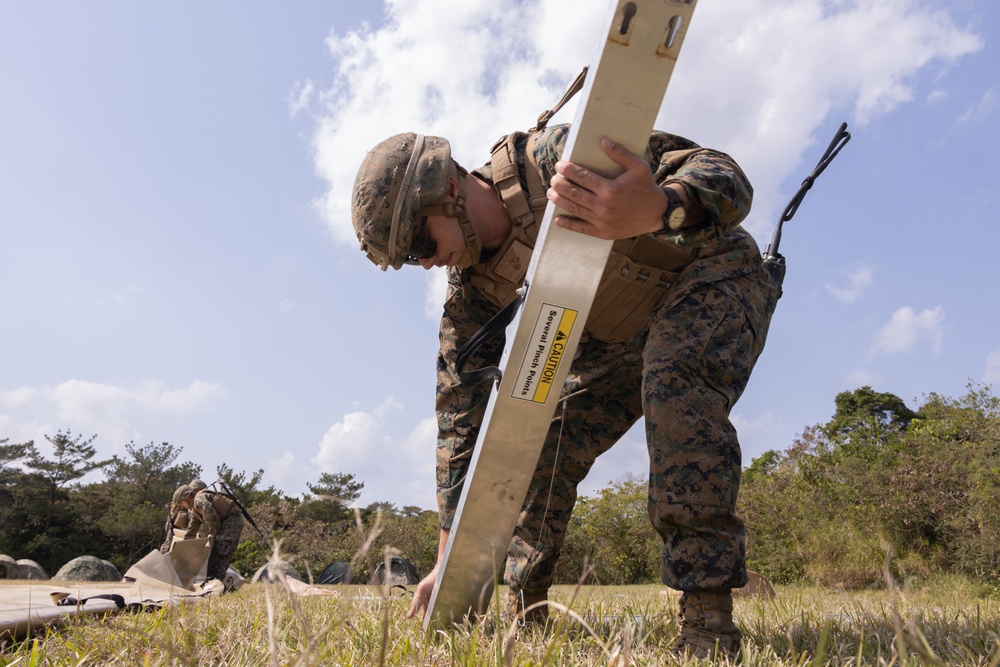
x=399, y=177
x=183, y=492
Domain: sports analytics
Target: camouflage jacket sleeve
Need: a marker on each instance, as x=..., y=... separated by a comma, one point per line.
x=712, y=179
x=203, y=513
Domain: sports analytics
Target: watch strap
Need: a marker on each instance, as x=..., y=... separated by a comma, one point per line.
x=672, y=218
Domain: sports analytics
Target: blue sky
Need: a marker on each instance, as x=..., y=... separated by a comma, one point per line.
x=179, y=263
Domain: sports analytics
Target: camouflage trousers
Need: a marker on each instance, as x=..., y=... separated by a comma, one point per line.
x=224, y=545
x=683, y=374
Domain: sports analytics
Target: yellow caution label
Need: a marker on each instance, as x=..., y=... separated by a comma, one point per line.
x=541, y=362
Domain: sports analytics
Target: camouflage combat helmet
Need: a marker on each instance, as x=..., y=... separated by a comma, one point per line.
x=183, y=492
x=404, y=179
x=400, y=180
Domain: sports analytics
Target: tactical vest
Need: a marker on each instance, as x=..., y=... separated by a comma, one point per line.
x=639, y=273
x=221, y=503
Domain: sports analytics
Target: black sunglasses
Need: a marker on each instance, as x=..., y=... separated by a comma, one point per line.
x=422, y=247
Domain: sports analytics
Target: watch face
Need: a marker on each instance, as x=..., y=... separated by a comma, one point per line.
x=676, y=214
x=676, y=217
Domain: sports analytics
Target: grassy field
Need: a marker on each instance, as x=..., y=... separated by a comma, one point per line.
x=944, y=622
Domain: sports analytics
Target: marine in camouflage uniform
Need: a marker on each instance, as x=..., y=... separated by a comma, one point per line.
x=178, y=517
x=218, y=513
x=683, y=369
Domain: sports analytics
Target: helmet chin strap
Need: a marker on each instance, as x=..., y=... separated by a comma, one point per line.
x=458, y=209
x=473, y=248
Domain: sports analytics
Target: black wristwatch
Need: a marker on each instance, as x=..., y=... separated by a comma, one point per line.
x=676, y=215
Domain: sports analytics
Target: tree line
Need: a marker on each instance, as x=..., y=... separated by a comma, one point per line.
x=879, y=489
x=882, y=489
x=47, y=515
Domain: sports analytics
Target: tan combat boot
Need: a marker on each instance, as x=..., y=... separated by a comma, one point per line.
x=707, y=628
x=519, y=601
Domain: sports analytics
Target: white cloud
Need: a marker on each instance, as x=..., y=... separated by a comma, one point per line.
x=437, y=292
x=858, y=278
x=352, y=441
x=759, y=434
x=745, y=426
x=393, y=469
x=300, y=97
x=773, y=72
x=860, y=378
x=906, y=328
x=992, y=373
x=17, y=398
x=418, y=477
x=154, y=394
x=288, y=474
x=92, y=407
x=936, y=96
x=981, y=109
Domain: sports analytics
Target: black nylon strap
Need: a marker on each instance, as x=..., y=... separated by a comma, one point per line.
x=497, y=325
x=839, y=140
x=73, y=602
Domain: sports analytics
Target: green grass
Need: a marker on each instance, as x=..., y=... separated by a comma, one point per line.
x=946, y=621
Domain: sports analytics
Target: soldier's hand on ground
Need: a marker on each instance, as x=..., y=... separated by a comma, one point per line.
x=628, y=205
x=422, y=594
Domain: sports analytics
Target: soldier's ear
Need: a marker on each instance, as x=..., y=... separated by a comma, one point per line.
x=454, y=187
